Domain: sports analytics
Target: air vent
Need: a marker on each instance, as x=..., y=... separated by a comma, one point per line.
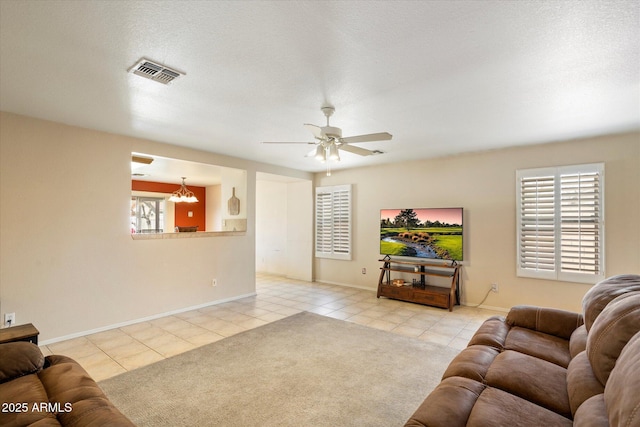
x=155, y=71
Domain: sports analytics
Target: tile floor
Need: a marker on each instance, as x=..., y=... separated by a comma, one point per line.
x=109, y=353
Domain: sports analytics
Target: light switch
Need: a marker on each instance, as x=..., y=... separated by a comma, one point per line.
x=190, y=214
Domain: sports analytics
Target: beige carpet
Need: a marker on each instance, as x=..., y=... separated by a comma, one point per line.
x=304, y=370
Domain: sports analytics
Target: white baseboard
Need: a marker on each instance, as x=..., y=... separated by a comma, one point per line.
x=487, y=307
x=348, y=285
x=328, y=282
x=143, y=319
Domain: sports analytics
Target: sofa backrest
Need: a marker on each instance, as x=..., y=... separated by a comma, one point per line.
x=622, y=393
x=611, y=331
x=597, y=298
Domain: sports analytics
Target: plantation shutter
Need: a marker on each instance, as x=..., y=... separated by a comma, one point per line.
x=323, y=222
x=333, y=222
x=561, y=223
x=581, y=223
x=537, y=223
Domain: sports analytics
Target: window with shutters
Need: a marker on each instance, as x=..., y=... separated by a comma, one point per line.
x=561, y=223
x=333, y=222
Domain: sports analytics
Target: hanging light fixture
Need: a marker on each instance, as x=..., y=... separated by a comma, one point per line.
x=327, y=150
x=183, y=194
x=333, y=152
x=321, y=153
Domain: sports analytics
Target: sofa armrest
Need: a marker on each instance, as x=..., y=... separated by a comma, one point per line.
x=449, y=404
x=559, y=323
x=19, y=359
x=82, y=401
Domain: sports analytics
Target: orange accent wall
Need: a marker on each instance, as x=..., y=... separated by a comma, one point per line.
x=182, y=209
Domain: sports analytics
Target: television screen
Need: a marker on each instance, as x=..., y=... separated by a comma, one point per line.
x=434, y=233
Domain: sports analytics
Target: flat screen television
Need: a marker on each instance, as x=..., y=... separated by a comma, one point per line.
x=434, y=233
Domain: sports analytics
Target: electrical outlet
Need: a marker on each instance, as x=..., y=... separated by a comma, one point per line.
x=364, y=271
x=9, y=319
x=214, y=282
x=494, y=287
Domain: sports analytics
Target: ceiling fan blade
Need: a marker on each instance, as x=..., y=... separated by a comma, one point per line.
x=356, y=150
x=382, y=136
x=287, y=142
x=316, y=131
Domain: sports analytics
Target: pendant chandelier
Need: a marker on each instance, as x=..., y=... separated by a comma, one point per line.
x=183, y=194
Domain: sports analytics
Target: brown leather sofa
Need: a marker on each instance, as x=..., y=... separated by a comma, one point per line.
x=545, y=367
x=50, y=391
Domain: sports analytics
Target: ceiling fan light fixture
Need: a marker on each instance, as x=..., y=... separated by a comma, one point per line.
x=183, y=194
x=321, y=153
x=329, y=141
x=333, y=152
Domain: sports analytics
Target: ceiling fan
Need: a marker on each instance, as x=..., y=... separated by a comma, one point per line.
x=329, y=140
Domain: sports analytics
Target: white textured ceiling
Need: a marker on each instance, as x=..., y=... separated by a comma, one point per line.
x=443, y=77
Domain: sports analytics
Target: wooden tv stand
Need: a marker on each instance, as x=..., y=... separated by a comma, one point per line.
x=420, y=292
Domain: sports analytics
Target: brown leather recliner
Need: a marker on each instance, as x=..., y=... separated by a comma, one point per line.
x=50, y=391
x=548, y=367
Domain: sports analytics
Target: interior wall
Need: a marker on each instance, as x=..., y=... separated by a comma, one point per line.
x=68, y=263
x=214, y=208
x=271, y=227
x=484, y=185
x=284, y=228
x=300, y=230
